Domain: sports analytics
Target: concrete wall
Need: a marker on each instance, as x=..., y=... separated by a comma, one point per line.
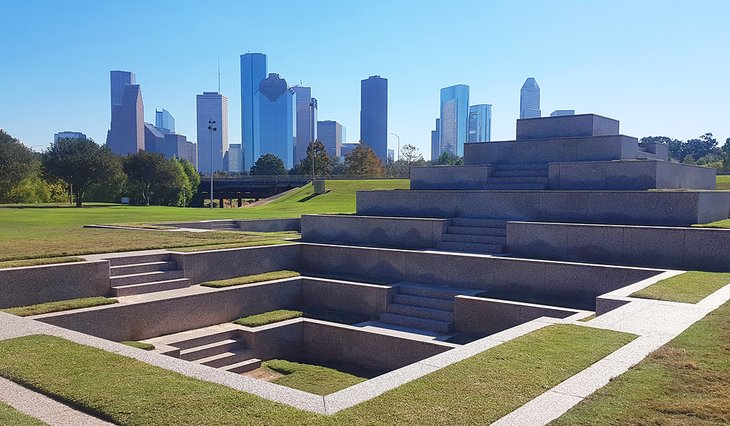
x=450, y=177
x=629, y=175
x=578, y=125
x=377, y=231
x=598, y=148
x=661, y=247
x=678, y=208
x=366, y=299
x=659, y=150
x=560, y=284
x=489, y=316
x=253, y=225
x=138, y=321
x=229, y=263
x=50, y=283
x=282, y=340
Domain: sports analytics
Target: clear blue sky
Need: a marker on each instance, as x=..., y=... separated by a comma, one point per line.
x=660, y=67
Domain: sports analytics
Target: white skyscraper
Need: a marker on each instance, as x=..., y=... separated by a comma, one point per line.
x=530, y=99
x=212, y=106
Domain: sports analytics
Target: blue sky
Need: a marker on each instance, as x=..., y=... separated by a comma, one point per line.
x=660, y=67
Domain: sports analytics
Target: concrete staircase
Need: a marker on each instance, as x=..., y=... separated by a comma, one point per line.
x=475, y=236
x=145, y=274
x=424, y=307
x=224, y=225
x=518, y=176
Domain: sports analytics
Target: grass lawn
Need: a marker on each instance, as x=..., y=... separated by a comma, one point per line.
x=685, y=382
x=63, y=305
x=268, y=318
x=689, y=287
x=139, y=345
x=37, y=262
x=477, y=390
x=311, y=378
x=57, y=231
x=251, y=279
x=11, y=416
x=723, y=182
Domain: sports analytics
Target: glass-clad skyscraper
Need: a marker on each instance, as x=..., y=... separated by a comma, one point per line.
x=454, y=119
x=374, y=115
x=277, y=120
x=126, y=130
x=480, y=123
x=435, y=150
x=331, y=134
x=253, y=72
x=306, y=131
x=212, y=106
x=530, y=99
x=164, y=121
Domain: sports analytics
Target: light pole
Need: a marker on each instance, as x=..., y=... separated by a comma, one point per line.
x=398, y=152
x=211, y=129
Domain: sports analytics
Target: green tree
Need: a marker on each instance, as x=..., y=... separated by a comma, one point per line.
x=362, y=161
x=268, y=164
x=17, y=163
x=143, y=170
x=193, y=179
x=322, y=164
x=112, y=188
x=79, y=163
x=704, y=146
x=172, y=187
x=448, y=159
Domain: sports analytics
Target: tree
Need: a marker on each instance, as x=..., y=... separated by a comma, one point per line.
x=143, y=170
x=79, y=163
x=193, y=179
x=362, y=161
x=704, y=146
x=172, y=186
x=322, y=164
x=17, y=163
x=268, y=164
x=448, y=159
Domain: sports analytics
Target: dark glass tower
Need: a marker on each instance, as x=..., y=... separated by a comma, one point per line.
x=126, y=132
x=253, y=72
x=374, y=115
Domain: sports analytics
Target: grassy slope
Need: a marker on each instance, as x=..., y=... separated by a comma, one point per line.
x=474, y=391
x=47, y=232
x=690, y=287
x=685, y=382
x=268, y=318
x=37, y=262
x=723, y=182
x=251, y=279
x=63, y=305
x=311, y=378
x=11, y=416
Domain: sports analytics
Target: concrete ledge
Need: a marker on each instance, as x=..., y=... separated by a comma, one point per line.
x=658, y=247
x=489, y=316
x=359, y=298
x=566, y=126
x=251, y=225
x=49, y=283
x=411, y=232
x=450, y=177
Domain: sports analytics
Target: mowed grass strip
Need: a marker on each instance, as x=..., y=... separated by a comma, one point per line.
x=268, y=318
x=251, y=279
x=253, y=243
x=686, y=382
x=11, y=416
x=689, y=287
x=63, y=305
x=478, y=390
x=311, y=378
x=139, y=345
x=723, y=182
x=38, y=262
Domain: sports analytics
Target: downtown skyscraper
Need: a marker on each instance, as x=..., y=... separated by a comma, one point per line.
x=126, y=131
x=277, y=120
x=374, y=115
x=306, y=131
x=530, y=99
x=454, y=120
x=480, y=123
x=212, y=146
x=253, y=72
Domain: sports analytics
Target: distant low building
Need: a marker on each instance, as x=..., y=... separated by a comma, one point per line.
x=391, y=155
x=171, y=145
x=348, y=147
x=235, y=158
x=67, y=134
x=331, y=134
x=562, y=112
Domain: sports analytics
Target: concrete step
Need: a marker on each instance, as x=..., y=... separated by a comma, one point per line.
x=146, y=277
x=244, y=366
x=523, y=166
x=513, y=186
x=479, y=239
x=474, y=230
x=520, y=173
x=420, y=312
x=425, y=302
x=187, y=341
x=434, y=291
x=138, y=268
x=482, y=223
x=227, y=358
x=143, y=258
x=224, y=225
x=518, y=179
x=419, y=323
x=150, y=287
x=210, y=349
x=471, y=247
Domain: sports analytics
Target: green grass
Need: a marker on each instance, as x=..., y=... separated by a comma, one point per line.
x=251, y=279
x=685, y=382
x=37, y=262
x=268, y=318
x=255, y=243
x=723, y=182
x=721, y=224
x=63, y=305
x=139, y=345
x=11, y=416
x=311, y=378
x=477, y=390
x=689, y=287
x=57, y=231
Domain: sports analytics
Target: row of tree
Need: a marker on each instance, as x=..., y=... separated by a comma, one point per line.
x=88, y=171
x=703, y=150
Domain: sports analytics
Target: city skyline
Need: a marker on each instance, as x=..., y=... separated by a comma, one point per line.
x=75, y=96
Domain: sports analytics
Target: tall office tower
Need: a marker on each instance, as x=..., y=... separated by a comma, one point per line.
x=480, y=123
x=348, y=147
x=435, y=151
x=374, y=115
x=562, y=112
x=306, y=121
x=126, y=133
x=277, y=120
x=530, y=99
x=154, y=139
x=235, y=158
x=164, y=121
x=454, y=119
x=67, y=134
x=253, y=72
x=212, y=106
x=330, y=133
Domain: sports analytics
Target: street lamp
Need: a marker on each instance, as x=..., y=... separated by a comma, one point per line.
x=398, y=152
x=211, y=129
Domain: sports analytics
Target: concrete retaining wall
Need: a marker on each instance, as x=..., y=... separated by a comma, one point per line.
x=489, y=316
x=672, y=208
x=566, y=126
x=252, y=225
x=450, y=177
x=376, y=231
x=366, y=299
x=662, y=247
x=50, y=283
